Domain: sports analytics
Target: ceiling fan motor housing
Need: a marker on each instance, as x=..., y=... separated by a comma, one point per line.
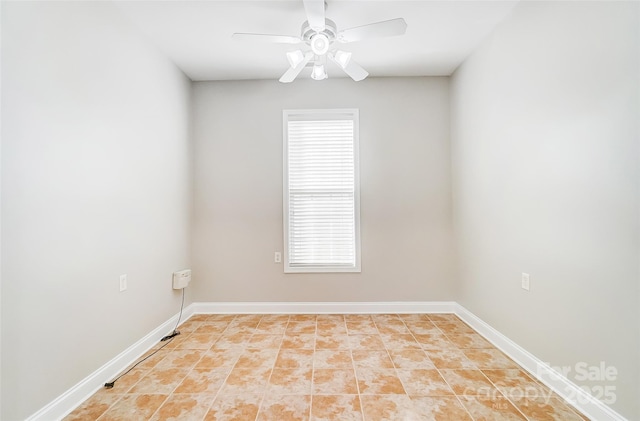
x=330, y=31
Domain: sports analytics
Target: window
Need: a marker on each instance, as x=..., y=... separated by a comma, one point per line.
x=321, y=191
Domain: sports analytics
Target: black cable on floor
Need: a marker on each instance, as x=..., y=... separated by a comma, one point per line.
x=167, y=339
x=175, y=331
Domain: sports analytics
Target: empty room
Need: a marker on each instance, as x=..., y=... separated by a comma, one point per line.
x=320, y=210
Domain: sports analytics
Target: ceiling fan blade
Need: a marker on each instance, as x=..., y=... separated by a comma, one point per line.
x=352, y=69
x=387, y=28
x=355, y=71
x=315, y=14
x=279, y=39
x=293, y=72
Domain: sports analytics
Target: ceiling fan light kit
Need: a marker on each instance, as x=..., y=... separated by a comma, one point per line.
x=320, y=35
x=342, y=58
x=318, y=72
x=295, y=57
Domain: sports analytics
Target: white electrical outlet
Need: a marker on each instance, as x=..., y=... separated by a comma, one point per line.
x=525, y=281
x=277, y=257
x=123, y=282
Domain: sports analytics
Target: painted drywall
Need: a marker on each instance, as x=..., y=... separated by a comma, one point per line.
x=546, y=175
x=95, y=184
x=405, y=190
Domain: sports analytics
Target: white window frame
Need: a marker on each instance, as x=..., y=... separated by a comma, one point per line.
x=310, y=115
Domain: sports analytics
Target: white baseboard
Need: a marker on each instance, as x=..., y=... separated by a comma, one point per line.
x=568, y=390
x=72, y=398
x=324, y=307
x=584, y=402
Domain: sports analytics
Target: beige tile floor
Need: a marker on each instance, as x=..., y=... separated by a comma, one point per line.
x=326, y=367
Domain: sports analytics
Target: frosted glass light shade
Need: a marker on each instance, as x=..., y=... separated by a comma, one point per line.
x=295, y=58
x=342, y=58
x=318, y=72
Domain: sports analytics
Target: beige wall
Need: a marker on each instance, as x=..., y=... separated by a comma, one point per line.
x=546, y=176
x=405, y=190
x=95, y=183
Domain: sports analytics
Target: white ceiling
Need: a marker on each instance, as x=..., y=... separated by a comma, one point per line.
x=196, y=35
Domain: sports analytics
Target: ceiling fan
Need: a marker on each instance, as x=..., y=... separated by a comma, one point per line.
x=321, y=38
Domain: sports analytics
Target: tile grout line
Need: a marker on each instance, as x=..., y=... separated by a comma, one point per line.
x=215, y=396
x=353, y=365
x=313, y=366
x=227, y=376
x=438, y=370
x=484, y=375
x=504, y=396
x=264, y=392
x=189, y=372
x=458, y=397
x=427, y=355
x=386, y=348
x=394, y=364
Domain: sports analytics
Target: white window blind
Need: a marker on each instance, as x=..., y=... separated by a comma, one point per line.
x=321, y=191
